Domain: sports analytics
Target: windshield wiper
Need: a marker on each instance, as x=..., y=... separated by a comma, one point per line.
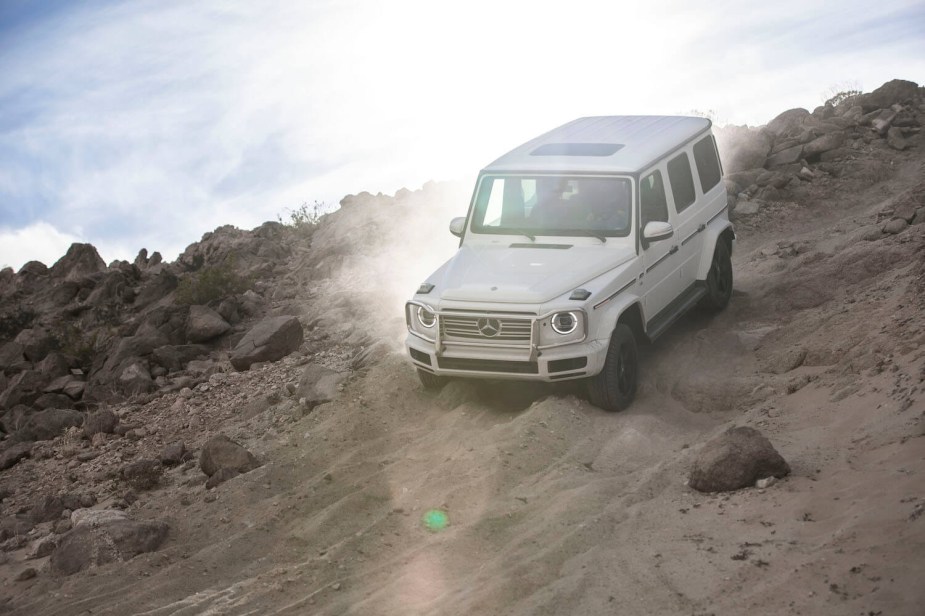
x=590, y=233
x=523, y=232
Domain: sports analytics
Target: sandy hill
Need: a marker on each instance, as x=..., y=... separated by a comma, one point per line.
x=238, y=432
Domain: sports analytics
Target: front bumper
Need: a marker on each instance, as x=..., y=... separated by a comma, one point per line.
x=562, y=363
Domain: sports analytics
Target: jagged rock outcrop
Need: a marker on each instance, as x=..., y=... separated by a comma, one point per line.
x=105, y=541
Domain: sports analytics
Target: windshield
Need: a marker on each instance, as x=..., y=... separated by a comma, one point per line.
x=553, y=205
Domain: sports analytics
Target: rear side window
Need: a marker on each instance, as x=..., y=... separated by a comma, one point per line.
x=707, y=163
x=682, y=182
x=652, y=198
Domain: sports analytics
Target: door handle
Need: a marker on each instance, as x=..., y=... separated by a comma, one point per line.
x=673, y=250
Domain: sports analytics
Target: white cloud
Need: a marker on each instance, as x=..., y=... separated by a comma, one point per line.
x=37, y=242
x=148, y=123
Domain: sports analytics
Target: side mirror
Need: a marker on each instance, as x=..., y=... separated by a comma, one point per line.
x=657, y=230
x=457, y=226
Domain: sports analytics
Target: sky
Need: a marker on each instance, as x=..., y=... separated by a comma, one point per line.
x=146, y=123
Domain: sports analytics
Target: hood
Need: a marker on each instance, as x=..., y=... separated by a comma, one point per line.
x=494, y=273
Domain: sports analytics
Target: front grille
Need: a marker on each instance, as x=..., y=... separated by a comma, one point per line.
x=488, y=365
x=480, y=328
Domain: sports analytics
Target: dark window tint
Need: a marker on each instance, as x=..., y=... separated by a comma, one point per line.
x=652, y=198
x=707, y=163
x=682, y=183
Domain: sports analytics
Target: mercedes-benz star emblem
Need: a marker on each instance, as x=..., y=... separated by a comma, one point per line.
x=489, y=327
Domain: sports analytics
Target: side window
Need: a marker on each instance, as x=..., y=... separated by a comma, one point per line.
x=682, y=182
x=707, y=163
x=652, y=198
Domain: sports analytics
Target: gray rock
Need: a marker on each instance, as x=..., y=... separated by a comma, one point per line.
x=897, y=225
x=53, y=366
x=175, y=357
x=118, y=540
x=890, y=93
x=49, y=423
x=15, y=452
x=23, y=388
x=824, y=143
x=143, y=474
x=36, y=343
x=221, y=452
x=785, y=157
x=173, y=454
x=736, y=459
x=80, y=261
x=894, y=139
x=11, y=353
x=788, y=123
x=270, y=340
x=26, y=574
x=205, y=324
x=318, y=385
x=746, y=207
x=135, y=379
x=44, y=547
x=46, y=508
x=102, y=421
x=221, y=476
x=52, y=401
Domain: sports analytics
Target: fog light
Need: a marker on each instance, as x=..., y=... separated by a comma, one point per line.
x=564, y=322
x=426, y=317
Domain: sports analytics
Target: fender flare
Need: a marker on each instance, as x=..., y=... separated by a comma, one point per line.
x=711, y=236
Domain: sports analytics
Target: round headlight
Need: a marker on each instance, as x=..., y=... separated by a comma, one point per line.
x=564, y=322
x=426, y=317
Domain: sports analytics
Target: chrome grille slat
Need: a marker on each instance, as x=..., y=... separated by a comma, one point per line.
x=467, y=328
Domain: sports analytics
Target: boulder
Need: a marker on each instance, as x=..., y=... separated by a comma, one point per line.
x=117, y=540
x=68, y=385
x=271, y=339
x=96, y=517
x=36, y=343
x=824, y=143
x=788, y=123
x=46, y=509
x=47, y=424
x=736, y=459
x=102, y=421
x=205, y=324
x=54, y=365
x=12, y=454
x=785, y=157
x=176, y=357
x=11, y=353
x=897, y=91
x=221, y=452
x=52, y=401
x=135, y=379
x=897, y=225
x=24, y=388
x=81, y=260
x=173, y=454
x=895, y=139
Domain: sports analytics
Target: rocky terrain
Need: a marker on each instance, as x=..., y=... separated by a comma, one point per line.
x=238, y=432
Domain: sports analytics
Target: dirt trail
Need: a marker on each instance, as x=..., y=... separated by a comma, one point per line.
x=556, y=507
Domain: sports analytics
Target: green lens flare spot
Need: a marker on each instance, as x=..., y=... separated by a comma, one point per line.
x=435, y=520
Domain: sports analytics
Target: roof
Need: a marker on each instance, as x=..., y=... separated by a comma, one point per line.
x=581, y=145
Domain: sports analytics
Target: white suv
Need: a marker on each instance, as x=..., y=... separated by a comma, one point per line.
x=577, y=245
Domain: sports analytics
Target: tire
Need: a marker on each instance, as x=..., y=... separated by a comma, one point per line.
x=431, y=382
x=719, y=278
x=614, y=388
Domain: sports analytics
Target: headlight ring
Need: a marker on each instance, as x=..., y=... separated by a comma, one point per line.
x=564, y=323
x=426, y=317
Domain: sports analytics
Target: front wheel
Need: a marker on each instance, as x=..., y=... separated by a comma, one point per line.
x=431, y=382
x=614, y=388
x=719, y=279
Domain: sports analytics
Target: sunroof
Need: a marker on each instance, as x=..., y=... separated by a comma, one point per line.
x=577, y=149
